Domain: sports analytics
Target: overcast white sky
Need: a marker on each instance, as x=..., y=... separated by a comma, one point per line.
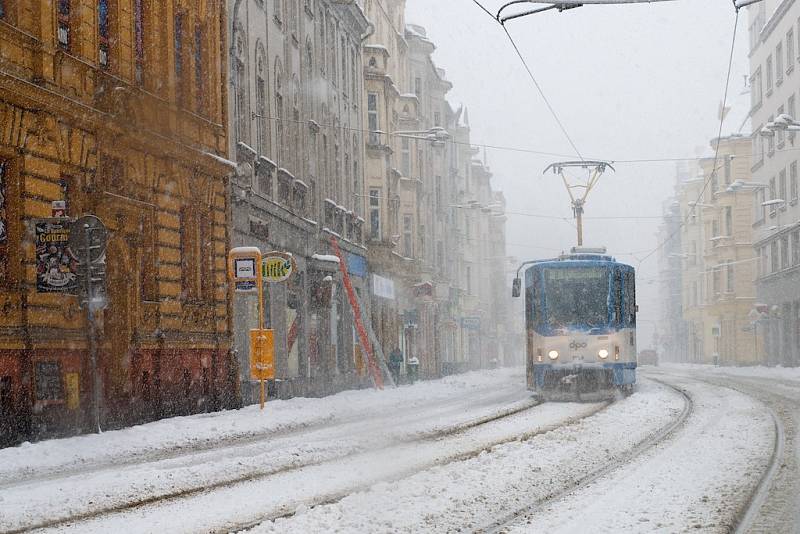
x=628, y=82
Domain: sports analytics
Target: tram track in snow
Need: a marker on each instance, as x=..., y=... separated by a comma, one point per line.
x=499, y=525
x=772, y=496
x=288, y=510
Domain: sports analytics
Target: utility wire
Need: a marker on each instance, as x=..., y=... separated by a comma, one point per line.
x=716, y=151
x=484, y=9
x=533, y=78
x=522, y=150
x=541, y=92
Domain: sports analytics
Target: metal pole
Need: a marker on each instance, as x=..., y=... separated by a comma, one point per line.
x=579, y=217
x=91, y=324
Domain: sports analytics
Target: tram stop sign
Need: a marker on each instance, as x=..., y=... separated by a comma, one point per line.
x=88, y=232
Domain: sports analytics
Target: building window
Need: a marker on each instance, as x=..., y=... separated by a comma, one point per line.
x=178, y=46
x=279, y=9
x=469, y=280
x=138, y=30
x=240, y=91
x=49, y=386
x=372, y=118
x=4, y=259
x=782, y=187
x=103, y=31
x=774, y=259
x=728, y=221
x=790, y=50
x=63, y=24
x=768, y=66
x=796, y=247
x=785, y=252
x=375, y=214
x=199, y=70
x=716, y=281
x=438, y=193
x=343, y=53
x=408, y=236
x=418, y=87
x=781, y=134
x=279, y=115
x=405, y=157
x=729, y=280
x=793, y=181
x=779, y=63
x=727, y=170
x=261, y=103
x=773, y=194
x=353, y=76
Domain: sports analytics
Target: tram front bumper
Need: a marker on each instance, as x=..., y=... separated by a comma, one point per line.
x=583, y=377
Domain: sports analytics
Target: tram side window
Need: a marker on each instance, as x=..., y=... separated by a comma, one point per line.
x=630, y=298
x=533, y=311
x=618, y=298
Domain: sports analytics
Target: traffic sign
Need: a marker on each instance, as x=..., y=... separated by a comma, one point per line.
x=88, y=233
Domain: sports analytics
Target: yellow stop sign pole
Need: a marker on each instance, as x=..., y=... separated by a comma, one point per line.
x=245, y=271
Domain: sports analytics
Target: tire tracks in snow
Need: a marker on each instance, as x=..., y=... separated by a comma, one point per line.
x=183, y=493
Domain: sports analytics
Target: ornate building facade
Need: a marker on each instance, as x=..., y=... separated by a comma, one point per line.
x=296, y=117
x=116, y=109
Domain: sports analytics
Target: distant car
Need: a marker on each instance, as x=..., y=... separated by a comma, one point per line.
x=648, y=357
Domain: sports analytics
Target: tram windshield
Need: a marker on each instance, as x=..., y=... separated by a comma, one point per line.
x=576, y=297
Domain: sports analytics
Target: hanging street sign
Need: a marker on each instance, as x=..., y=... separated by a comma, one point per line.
x=88, y=235
x=277, y=267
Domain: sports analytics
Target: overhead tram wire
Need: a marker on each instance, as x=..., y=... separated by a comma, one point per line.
x=531, y=151
x=716, y=150
x=533, y=78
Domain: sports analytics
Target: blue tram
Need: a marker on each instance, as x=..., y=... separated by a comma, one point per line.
x=580, y=315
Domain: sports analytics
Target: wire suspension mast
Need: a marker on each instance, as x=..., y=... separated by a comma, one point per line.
x=579, y=192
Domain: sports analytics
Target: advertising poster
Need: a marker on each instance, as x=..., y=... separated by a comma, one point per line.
x=56, y=269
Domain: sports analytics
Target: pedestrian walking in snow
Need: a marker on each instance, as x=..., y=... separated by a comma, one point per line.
x=395, y=363
x=412, y=368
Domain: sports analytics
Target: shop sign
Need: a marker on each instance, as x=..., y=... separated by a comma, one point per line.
x=56, y=268
x=277, y=267
x=382, y=287
x=471, y=323
x=356, y=265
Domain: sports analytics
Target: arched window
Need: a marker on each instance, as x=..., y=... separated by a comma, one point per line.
x=321, y=42
x=280, y=116
x=103, y=33
x=353, y=76
x=64, y=12
x=332, y=47
x=261, y=100
x=344, y=66
x=240, y=86
x=296, y=123
x=138, y=39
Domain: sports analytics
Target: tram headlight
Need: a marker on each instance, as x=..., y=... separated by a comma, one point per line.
x=553, y=354
x=603, y=353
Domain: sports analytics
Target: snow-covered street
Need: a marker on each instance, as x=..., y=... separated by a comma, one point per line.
x=473, y=452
